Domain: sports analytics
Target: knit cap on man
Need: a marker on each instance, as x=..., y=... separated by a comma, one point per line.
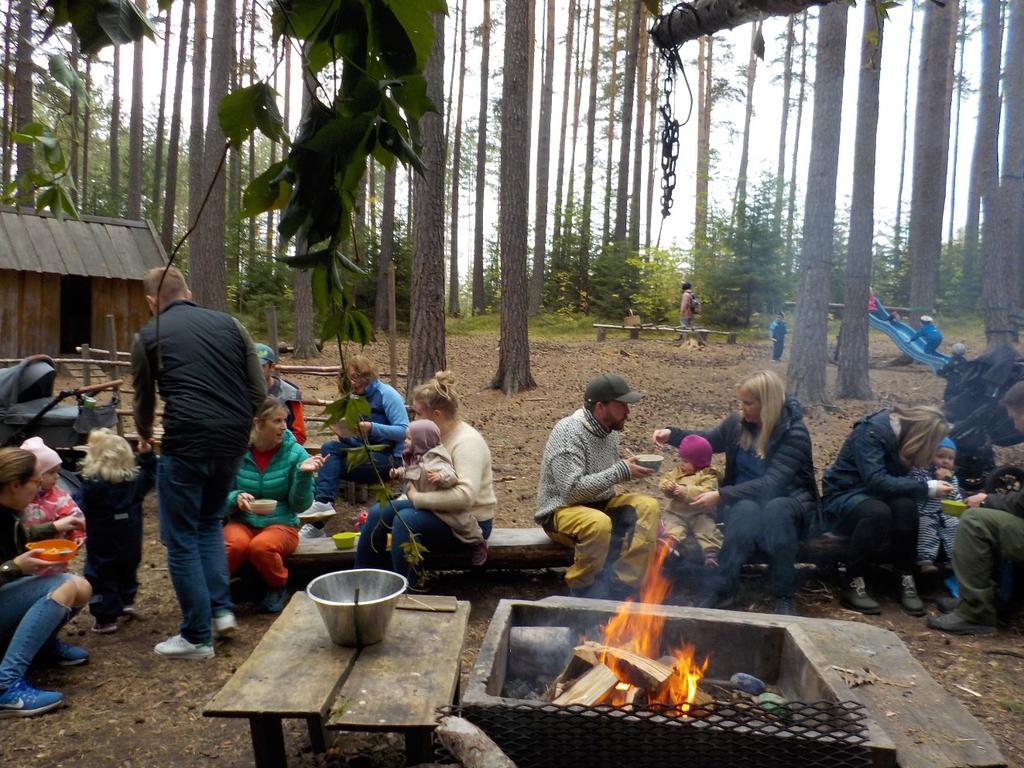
x=696, y=450
x=46, y=457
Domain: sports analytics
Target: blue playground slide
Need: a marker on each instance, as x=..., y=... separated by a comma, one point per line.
x=900, y=333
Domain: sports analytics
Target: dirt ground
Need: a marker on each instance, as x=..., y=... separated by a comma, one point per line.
x=127, y=707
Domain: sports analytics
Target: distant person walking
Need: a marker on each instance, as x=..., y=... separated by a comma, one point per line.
x=687, y=307
x=211, y=383
x=777, y=331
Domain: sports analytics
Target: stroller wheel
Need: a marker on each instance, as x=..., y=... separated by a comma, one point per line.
x=1005, y=479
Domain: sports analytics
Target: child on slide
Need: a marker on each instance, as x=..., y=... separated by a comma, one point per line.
x=928, y=333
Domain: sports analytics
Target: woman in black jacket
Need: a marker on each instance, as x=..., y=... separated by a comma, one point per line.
x=32, y=608
x=869, y=497
x=768, y=497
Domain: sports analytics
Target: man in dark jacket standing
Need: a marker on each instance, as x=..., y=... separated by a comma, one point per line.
x=211, y=383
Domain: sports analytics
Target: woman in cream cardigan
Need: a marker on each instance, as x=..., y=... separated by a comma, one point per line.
x=413, y=519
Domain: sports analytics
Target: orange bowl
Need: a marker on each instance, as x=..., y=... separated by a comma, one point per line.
x=53, y=550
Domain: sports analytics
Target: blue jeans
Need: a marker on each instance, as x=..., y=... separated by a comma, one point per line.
x=336, y=470
x=772, y=528
x=429, y=530
x=191, y=494
x=29, y=617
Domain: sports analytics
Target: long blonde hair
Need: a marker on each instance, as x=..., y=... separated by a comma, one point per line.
x=266, y=409
x=439, y=394
x=108, y=457
x=767, y=388
x=922, y=428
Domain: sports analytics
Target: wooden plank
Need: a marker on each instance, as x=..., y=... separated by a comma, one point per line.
x=432, y=603
x=400, y=682
x=507, y=548
x=31, y=301
x=8, y=254
x=294, y=671
x=10, y=311
x=47, y=251
x=120, y=259
x=930, y=728
x=24, y=252
x=93, y=245
x=74, y=264
x=148, y=253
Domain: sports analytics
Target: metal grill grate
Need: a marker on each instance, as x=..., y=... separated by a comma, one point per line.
x=717, y=735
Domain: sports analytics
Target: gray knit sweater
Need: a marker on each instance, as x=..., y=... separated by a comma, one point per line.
x=580, y=464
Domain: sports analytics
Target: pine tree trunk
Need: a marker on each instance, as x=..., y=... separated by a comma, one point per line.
x=853, y=378
x=85, y=185
x=6, y=123
x=787, y=87
x=808, y=359
x=174, y=141
x=206, y=260
x=387, y=249
x=897, y=231
x=252, y=138
x=739, y=210
x=426, y=324
x=453, y=265
x=570, y=27
x=1011, y=183
x=74, y=153
x=158, y=150
x=959, y=81
x=481, y=164
x=233, y=183
x=115, y=136
x=1001, y=263
x=982, y=181
x=626, y=119
x=135, y=131
x=638, y=147
x=513, y=373
x=652, y=140
x=791, y=203
x=196, y=126
x=613, y=85
x=540, y=229
x=587, y=215
x=703, y=174
x=269, y=232
x=302, y=279
x=23, y=83
x=580, y=280
x=931, y=150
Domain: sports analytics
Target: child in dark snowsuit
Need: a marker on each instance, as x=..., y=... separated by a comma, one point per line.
x=777, y=331
x=114, y=485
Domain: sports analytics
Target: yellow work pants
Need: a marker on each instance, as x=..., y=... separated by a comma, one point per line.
x=589, y=531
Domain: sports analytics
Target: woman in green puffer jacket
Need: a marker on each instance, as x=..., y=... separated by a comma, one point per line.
x=274, y=468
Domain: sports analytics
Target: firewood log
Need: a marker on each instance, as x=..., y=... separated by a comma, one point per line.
x=590, y=688
x=634, y=669
x=470, y=746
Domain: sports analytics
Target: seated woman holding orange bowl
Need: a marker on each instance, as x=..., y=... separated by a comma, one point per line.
x=274, y=483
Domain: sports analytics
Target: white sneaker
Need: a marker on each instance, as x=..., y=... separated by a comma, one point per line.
x=319, y=509
x=223, y=624
x=178, y=647
x=310, y=531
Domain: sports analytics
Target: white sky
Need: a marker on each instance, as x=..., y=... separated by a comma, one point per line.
x=727, y=119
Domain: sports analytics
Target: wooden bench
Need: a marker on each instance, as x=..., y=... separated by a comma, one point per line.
x=396, y=685
x=507, y=548
x=701, y=334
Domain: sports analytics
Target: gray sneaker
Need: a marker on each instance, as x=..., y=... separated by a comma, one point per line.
x=955, y=624
x=223, y=624
x=178, y=647
x=310, y=531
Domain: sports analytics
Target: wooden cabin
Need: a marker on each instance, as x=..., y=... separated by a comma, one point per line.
x=59, y=279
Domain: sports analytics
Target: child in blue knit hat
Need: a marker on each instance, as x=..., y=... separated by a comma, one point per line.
x=936, y=531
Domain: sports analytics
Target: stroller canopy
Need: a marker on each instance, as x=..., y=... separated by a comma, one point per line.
x=31, y=379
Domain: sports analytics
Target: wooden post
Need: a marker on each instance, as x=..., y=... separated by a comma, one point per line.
x=272, y=328
x=86, y=354
x=392, y=322
x=112, y=339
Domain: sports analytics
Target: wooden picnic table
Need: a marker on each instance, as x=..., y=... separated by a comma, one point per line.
x=634, y=331
x=296, y=671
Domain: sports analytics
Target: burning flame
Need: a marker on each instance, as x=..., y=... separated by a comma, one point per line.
x=641, y=633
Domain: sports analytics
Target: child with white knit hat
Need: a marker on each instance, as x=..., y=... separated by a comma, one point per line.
x=51, y=502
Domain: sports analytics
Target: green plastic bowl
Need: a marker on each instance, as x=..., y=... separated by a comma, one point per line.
x=952, y=508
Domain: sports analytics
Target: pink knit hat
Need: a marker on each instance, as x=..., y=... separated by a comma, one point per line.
x=46, y=457
x=696, y=450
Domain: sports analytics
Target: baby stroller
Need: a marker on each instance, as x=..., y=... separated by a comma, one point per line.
x=28, y=407
x=973, y=391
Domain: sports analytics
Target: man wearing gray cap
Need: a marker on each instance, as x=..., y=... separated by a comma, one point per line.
x=577, y=503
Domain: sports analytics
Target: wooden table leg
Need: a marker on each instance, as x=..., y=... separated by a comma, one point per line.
x=267, y=741
x=317, y=737
x=419, y=746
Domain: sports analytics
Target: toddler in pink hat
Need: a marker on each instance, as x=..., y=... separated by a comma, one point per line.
x=51, y=503
x=694, y=476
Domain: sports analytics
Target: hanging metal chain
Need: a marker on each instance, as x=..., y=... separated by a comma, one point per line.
x=669, y=131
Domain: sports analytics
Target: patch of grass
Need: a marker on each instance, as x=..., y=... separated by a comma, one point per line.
x=1013, y=707
x=542, y=326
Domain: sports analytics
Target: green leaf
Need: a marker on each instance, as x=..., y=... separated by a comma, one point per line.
x=404, y=32
x=248, y=109
x=66, y=76
x=67, y=205
x=308, y=260
x=122, y=21
x=267, y=192
x=321, y=289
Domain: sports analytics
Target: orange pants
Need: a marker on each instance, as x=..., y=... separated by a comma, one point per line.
x=265, y=548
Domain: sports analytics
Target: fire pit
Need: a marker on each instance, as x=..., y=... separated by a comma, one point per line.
x=815, y=719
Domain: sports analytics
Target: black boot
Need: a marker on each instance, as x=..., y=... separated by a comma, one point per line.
x=909, y=599
x=855, y=596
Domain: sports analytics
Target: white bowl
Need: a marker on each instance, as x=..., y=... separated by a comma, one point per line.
x=649, y=460
x=263, y=506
